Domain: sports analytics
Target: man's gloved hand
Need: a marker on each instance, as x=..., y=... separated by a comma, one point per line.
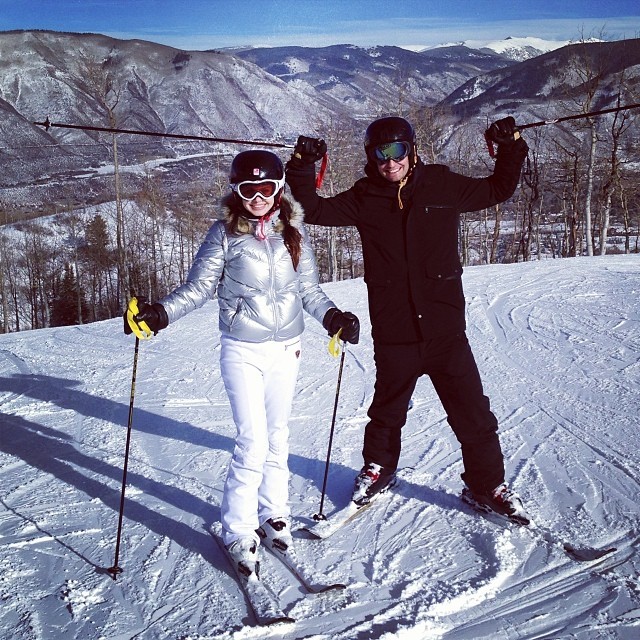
x=154, y=315
x=309, y=150
x=334, y=320
x=503, y=132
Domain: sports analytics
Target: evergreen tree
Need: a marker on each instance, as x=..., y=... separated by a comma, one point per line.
x=64, y=306
x=98, y=261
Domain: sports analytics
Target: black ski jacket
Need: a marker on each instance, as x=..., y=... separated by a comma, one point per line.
x=409, y=238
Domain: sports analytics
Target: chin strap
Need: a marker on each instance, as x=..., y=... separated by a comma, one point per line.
x=260, y=232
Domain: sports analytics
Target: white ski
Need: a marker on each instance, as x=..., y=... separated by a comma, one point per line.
x=308, y=579
x=264, y=604
x=326, y=528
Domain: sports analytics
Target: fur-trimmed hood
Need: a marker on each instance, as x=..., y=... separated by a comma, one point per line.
x=246, y=224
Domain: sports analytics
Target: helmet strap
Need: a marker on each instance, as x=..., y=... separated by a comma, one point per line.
x=260, y=233
x=277, y=200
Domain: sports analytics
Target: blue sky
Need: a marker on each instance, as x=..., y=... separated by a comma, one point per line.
x=207, y=24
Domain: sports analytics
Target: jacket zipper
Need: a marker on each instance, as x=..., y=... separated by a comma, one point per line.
x=272, y=284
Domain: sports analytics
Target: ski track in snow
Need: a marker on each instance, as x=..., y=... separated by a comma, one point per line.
x=558, y=347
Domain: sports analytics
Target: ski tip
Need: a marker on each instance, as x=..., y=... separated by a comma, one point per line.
x=269, y=622
x=310, y=533
x=331, y=587
x=588, y=554
x=520, y=519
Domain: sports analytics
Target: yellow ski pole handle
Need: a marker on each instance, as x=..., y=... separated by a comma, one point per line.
x=140, y=329
x=334, y=346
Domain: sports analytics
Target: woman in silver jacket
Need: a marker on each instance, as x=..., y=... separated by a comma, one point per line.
x=258, y=260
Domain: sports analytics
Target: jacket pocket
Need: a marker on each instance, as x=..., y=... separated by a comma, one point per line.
x=443, y=272
x=378, y=281
x=237, y=313
x=440, y=210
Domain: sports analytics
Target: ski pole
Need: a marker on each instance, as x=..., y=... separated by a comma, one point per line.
x=575, y=116
x=115, y=570
x=47, y=124
x=578, y=116
x=332, y=345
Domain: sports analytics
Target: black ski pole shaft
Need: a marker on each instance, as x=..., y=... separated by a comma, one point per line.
x=575, y=116
x=578, y=116
x=115, y=570
x=47, y=124
x=320, y=515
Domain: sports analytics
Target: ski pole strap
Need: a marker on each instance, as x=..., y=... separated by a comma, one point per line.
x=489, y=141
x=323, y=169
x=334, y=346
x=140, y=329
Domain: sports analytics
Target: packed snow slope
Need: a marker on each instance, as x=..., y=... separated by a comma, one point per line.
x=558, y=346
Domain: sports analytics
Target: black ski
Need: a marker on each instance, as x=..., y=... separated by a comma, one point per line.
x=580, y=554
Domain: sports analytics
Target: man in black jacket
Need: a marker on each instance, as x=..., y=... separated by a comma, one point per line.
x=407, y=214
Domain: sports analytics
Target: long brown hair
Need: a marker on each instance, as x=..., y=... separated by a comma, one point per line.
x=291, y=235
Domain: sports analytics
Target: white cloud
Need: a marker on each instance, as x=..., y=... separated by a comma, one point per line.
x=413, y=34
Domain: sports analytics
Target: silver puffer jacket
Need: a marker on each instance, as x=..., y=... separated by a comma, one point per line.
x=261, y=296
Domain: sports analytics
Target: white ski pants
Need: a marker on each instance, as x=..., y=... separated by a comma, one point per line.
x=260, y=380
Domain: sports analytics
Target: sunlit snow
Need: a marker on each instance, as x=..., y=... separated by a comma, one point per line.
x=558, y=346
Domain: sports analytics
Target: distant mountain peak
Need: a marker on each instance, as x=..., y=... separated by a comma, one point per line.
x=517, y=48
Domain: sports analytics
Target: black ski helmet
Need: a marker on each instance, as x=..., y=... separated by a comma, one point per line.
x=390, y=129
x=256, y=165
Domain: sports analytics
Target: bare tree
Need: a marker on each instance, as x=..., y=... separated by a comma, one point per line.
x=5, y=285
x=620, y=124
x=584, y=77
x=433, y=126
x=629, y=198
x=102, y=82
x=345, y=159
x=37, y=261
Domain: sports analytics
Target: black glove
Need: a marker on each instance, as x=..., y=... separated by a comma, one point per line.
x=309, y=150
x=503, y=132
x=335, y=319
x=153, y=314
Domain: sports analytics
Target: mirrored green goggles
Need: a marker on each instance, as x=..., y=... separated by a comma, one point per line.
x=396, y=151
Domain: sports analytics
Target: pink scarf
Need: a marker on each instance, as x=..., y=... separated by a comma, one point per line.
x=260, y=231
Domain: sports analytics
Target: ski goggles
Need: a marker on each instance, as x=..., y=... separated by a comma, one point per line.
x=249, y=190
x=395, y=151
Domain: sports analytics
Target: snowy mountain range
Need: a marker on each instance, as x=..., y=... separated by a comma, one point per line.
x=366, y=80
x=253, y=94
x=72, y=78
x=513, y=48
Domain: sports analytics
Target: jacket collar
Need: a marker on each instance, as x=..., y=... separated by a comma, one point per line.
x=399, y=189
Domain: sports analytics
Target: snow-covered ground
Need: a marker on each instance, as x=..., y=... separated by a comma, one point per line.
x=558, y=345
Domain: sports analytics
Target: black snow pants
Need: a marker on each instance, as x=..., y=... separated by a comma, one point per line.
x=451, y=366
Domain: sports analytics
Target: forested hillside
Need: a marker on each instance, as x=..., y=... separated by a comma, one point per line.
x=88, y=216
